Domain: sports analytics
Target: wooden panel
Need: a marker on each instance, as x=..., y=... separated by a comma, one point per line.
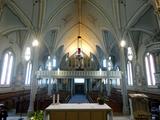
x=72, y=115
x=98, y=115
x=84, y=115
x=57, y=115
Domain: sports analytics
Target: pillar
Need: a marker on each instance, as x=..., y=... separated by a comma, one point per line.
x=108, y=87
x=57, y=85
x=34, y=82
x=124, y=83
x=101, y=86
x=90, y=84
x=85, y=85
x=50, y=87
x=72, y=86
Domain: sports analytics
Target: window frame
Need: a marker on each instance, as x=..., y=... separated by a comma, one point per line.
x=130, y=73
x=10, y=56
x=28, y=74
x=148, y=72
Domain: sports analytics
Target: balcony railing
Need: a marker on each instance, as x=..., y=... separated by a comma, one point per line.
x=84, y=74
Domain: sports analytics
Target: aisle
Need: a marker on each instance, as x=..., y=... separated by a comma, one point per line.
x=78, y=99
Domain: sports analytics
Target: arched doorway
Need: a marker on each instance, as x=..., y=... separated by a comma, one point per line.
x=79, y=84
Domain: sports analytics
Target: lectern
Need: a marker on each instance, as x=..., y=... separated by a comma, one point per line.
x=139, y=107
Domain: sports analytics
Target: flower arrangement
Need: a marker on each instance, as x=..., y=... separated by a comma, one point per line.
x=102, y=99
x=37, y=115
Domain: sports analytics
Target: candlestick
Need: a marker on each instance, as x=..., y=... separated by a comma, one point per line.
x=54, y=99
x=57, y=98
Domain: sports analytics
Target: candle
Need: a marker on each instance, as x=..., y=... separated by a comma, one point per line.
x=53, y=98
x=58, y=98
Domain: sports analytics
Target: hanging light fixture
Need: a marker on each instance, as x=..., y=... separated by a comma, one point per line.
x=79, y=38
x=79, y=49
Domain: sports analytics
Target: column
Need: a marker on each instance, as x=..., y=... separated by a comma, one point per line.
x=90, y=84
x=124, y=83
x=54, y=84
x=72, y=86
x=69, y=87
x=108, y=87
x=50, y=87
x=57, y=85
x=34, y=82
x=85, y=85
x=101, y=85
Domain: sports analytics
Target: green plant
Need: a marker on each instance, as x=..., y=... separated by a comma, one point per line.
x=101, y=99
x=37, y=115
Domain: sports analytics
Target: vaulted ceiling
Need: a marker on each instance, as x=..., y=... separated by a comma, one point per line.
x=57, y=23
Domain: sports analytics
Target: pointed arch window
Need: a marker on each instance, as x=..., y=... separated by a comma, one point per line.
x=129, y=66
x=118, y=79
x=7, y=68
x=150, y=69
x=54, y=62
x=104, y=63
x=110, y=64
x=129, y=73
x=28, y=73
x=49, y=64
x=29, y=66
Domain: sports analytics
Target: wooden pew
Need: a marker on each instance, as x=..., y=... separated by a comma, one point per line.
x=43, y=100
x=115, y=100
x=14, y=100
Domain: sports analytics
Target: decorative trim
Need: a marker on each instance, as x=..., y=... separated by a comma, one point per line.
x=85, y=74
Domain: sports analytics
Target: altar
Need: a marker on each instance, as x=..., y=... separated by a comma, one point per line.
x=82, y=111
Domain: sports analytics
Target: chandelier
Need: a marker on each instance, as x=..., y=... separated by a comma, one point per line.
x=79, y=55
x=79, y=38
x=79, y=51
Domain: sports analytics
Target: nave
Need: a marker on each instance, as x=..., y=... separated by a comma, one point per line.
x=98, y=48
